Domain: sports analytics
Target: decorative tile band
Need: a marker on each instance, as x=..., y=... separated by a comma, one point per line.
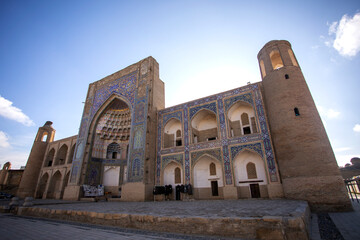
x=176, y=115
x=169, y=158
x=254, y=146
x=245, y=98
x=216, y=153
x=210, y=106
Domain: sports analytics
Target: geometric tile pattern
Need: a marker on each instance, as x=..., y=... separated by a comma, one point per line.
x=169, y=158
x=177, y=115
x=138, y=133
x=216, y=153
x=253, y=146
x=245, y=98
x=210, y=106
x=219, y=104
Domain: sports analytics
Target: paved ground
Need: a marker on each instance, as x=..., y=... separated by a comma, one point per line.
x=15, y=227
x=209, y=209
x=346, y=223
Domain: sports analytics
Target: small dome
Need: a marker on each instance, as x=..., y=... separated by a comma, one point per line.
x=48, y=123
x=355, y=161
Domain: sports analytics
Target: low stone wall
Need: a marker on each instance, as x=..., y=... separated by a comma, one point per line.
x=266, y=227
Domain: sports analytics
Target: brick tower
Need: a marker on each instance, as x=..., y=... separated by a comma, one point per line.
x=306, y=161
x=30, y=176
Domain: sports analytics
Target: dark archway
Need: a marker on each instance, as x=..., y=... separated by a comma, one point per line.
x=42, y=186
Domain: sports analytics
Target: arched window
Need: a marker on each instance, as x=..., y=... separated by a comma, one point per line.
x=177, y=175
x=172, y=133
x=241, y=119
x=251, y=170
x=245, y=123
x=262, y=68
x=244, y=119
x=212, y=169
x=7, y=166
x=61, y=155
x=204, y=126
x=276, y=60
x=49, y=158
x=44, y=137
x=292, y=57
x=113, y=151
x=296, y=111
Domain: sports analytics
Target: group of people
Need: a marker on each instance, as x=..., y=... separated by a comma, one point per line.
x=167, y=190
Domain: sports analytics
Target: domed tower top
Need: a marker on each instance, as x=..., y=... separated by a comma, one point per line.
x=46, y=133
x=274, y=55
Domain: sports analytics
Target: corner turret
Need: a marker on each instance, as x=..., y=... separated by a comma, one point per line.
x=29, y=179
x=306, y=161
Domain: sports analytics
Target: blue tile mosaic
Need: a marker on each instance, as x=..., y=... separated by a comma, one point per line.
x=250, y=94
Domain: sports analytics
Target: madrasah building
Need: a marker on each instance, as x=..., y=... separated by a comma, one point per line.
x=262, y=140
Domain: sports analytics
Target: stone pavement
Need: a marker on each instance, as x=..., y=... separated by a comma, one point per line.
x=203, y=208
x=247, y=219
x=17, y=227
x=347, y=223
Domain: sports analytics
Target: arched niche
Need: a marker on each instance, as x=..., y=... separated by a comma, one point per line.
x=49, y=158
x=262, y=68
x=113, y=151
x=202, y=175
x=54, y=190
x=61, y=155
x=276, y=60
x=111, y=127
x=172, y=135
x=204, y=126
x=44, y=137
x=173, y=174
x=241, y=119
x=42, y=186
x=243, y=165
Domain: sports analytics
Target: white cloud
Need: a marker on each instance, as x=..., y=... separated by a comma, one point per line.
x=4, y=140
x=331, y=113
x=343, y=149
x=356, y=128
x=328, y=113
x=7, y=110
x=347, y=35
x=332, y=27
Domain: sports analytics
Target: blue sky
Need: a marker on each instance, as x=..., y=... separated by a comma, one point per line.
x=51, y=50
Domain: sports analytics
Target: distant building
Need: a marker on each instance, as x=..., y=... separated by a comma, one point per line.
x=351, y=170
x=10, y=179
x=264, y=139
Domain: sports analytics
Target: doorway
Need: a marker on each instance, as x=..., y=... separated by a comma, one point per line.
x=214, y=188
x=255, y=190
